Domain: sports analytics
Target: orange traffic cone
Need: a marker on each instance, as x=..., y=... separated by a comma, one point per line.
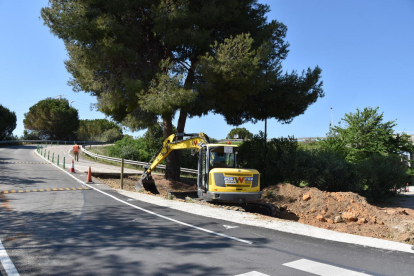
x=72, y=170
x=89, y=177
x=407, y=189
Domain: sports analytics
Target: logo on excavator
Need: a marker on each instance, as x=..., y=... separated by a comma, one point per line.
x=237, y=180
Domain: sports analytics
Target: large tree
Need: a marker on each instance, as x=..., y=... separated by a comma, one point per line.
x=52, y=119
x=7, y=122
x=363, y=134
x=98, y=130
x=148, y=59
x=242, y=133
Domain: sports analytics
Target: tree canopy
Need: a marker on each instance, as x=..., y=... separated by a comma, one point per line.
x=145, y=60
x=242, y=133
x=98, y=130
x=7, y=122
x=365, y=134
x=52, y=119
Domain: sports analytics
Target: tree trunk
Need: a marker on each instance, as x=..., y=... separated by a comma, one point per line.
x=173, y=160
x=172, y=171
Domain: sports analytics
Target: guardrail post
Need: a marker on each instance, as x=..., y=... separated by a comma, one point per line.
x=64, y=159
x=44, y=154
x=48, y=155
x=53, y=157
x=122, y=173
x=58, y=161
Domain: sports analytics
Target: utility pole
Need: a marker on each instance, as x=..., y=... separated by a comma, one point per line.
x=331, y=117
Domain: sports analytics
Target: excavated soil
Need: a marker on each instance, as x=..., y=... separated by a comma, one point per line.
x=342, y=211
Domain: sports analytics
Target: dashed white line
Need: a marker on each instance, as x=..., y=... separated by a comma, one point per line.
x=321, y=268
x=7, y=263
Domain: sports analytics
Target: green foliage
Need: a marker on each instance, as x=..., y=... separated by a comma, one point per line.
x=7, y=123
x=52, y=119
x=282, y=160
x=265, y=157
x=364, y=135
x=310, y=144
x=98, y=130
x=130, y=148
x=250, y=84
x=154, y=137
x=381, y=174
x=328, y=170
x=145, y=60
x=141, y=67
x=242, y=133
x=32, y=135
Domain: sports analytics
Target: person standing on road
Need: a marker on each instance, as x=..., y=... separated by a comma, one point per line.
x=76, y=152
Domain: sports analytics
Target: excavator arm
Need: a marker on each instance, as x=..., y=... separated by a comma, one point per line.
x=173, y=142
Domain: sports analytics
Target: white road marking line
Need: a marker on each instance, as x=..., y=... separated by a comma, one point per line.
x=229, y=227
x=253, y=273
x=7, y=263
x=321, y=268
x=150, y=212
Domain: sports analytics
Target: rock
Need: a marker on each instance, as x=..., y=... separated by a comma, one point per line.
x=374, y=219
x=362, y=221
x=338, y=219
x=320, y=218
x=330, y=221
x=349, y=216
x=306, y=197
x=403, y=212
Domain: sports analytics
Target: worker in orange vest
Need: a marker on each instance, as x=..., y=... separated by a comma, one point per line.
x=76, y=152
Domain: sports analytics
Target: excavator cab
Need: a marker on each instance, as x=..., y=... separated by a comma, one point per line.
x=220, y=179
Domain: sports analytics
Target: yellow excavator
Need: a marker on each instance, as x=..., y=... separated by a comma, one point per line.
x=219, y=178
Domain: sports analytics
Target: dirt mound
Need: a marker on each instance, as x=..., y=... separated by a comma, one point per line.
x=344, y=212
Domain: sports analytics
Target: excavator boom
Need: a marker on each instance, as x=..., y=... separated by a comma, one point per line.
x=173, y=142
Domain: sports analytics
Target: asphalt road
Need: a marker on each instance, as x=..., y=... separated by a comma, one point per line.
x=74, y=231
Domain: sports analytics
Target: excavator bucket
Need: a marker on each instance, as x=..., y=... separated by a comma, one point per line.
x=147, y=185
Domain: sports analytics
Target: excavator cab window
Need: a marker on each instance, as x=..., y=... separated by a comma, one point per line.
x=222, y=157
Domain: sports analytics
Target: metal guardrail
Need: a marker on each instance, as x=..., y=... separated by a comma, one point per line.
x=132, y=162
x=59, y=142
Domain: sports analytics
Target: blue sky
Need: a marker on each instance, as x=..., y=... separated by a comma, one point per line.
x=365, y=49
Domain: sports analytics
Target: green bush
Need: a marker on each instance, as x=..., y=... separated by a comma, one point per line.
x=129, y=148
x=328, y=170
x=380, y=173
x=265, y=157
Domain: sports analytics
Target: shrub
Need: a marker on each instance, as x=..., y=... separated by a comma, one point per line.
x=265, y=157
x=380, y=173
x=329, y=171
x=129, y=148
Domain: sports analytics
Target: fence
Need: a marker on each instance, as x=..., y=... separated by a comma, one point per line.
x=137, y=163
